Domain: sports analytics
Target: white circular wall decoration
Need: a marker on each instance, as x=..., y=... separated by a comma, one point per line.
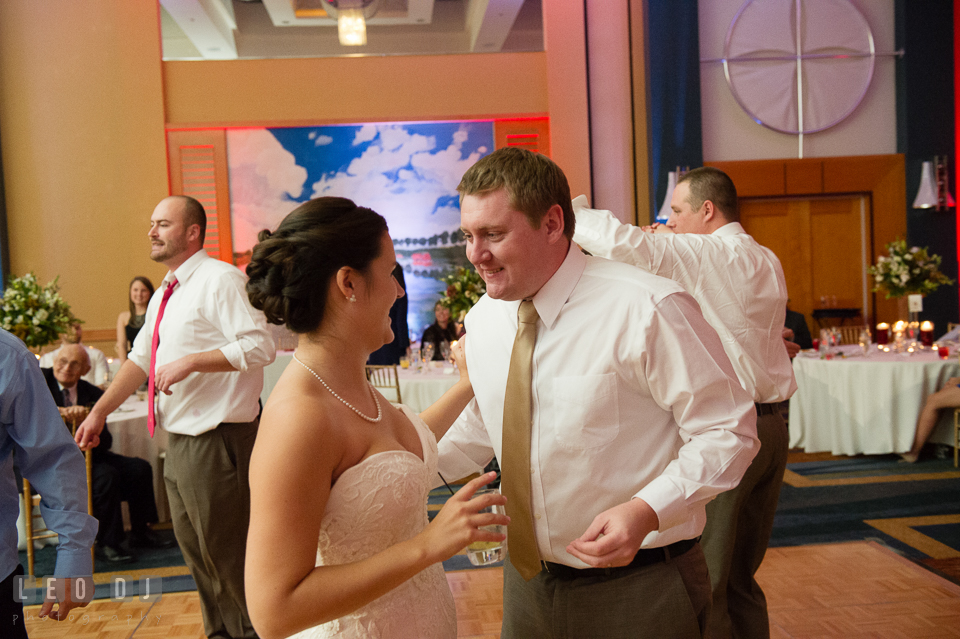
x=799, y=66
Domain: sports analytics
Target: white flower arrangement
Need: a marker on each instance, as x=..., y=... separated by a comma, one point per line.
x=36, y=314
x=907, y=271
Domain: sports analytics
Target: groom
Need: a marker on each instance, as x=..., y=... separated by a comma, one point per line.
x=611, y=406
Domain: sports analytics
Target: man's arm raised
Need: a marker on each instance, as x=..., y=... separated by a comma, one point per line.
x=128, y=379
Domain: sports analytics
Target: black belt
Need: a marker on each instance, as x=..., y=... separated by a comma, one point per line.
x=768, y=409
x=644, y=557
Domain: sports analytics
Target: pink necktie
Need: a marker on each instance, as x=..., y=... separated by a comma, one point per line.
x=151, y=383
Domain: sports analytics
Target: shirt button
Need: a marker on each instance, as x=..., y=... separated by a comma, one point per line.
x=537, y=516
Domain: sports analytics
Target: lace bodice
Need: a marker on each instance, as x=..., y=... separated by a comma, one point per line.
x=377, y=503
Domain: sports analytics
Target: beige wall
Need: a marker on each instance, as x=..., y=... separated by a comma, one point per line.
x=352, y=90
x=81, y=114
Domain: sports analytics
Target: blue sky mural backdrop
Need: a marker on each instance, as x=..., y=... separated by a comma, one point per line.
x=406, y=172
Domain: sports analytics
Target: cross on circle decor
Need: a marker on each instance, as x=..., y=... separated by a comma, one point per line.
x=799, y=66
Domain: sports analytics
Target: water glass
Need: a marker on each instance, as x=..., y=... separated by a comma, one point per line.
x=482, y=553
x=445, y=350
x=864, y=341
x=427, y=354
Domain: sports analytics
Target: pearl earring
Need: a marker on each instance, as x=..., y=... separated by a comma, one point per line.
x=352, y=298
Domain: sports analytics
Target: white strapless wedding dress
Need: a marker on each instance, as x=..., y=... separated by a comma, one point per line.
x=378, y=503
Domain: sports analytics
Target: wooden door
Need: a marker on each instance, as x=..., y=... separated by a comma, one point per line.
x=823, y=244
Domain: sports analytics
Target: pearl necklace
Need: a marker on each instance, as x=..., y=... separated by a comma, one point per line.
x=348, y=404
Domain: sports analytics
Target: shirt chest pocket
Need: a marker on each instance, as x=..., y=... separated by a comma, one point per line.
x=586, y=410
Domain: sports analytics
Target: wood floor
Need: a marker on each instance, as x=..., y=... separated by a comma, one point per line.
x=850, y=590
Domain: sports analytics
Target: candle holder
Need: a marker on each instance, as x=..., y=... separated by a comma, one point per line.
x=926, y=334
x=883, y=333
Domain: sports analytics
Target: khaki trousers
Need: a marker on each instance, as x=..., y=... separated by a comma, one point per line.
x=735, y=539
x=665, y=600
x=209, y=492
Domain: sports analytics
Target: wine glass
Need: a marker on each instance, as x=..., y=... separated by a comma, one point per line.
x=445, y=350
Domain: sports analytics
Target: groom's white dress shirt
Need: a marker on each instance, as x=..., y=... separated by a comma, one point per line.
x=633, y=396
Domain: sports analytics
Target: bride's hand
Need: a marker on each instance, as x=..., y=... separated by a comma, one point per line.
x=458, y=524
x=459, y=357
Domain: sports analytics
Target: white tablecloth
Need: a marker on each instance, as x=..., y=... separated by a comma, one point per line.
x=418, y=390
x=866, y=405
x=128, y=425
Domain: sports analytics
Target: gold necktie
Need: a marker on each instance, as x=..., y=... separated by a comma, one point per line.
x=515, y=465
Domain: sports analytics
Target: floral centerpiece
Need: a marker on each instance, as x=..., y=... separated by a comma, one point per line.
x=464, y=288
x=36, y=314
x=907, y=271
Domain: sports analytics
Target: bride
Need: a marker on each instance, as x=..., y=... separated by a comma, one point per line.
x=339, y=544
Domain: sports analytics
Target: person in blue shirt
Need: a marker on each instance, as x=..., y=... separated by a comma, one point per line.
x=31, y=429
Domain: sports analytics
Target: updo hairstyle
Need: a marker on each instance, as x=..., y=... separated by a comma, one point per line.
x=291, y=268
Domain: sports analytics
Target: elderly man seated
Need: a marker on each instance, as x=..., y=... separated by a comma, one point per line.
x=116, y=478
x=99, y=368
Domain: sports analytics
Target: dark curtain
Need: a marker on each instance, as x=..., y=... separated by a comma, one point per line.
x=674, y=104
x=926, y=125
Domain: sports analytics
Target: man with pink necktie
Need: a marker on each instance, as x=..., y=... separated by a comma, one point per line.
x=202, y=350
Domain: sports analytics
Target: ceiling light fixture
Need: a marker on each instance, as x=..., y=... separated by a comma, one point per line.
x=352, y=16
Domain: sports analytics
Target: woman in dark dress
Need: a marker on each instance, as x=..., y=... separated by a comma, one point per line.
x=443, y=330
x=129, y=322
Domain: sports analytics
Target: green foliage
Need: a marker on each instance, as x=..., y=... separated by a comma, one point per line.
x=36, y=314
x=907, y=271
x=464, y=288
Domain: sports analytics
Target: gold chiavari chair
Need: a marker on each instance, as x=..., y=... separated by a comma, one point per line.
x=31, y=502
x=385, y=378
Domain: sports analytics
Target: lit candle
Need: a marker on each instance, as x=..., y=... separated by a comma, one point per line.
x=883, y=333
x=900, y=326
x=926, y=333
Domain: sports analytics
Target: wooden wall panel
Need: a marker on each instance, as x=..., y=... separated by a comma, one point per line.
x=881, y=178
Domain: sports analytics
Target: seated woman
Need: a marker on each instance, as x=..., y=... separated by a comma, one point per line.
x=339, y=542
x=130, y=322
x=442, y=330
x=946, y=397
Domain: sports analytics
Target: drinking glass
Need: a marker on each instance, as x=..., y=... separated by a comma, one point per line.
x=482, y=553
x=943, y=350
x=824, y=341
x=427, y=354
x=415, y=359
x=865, y=341
x=445, y=350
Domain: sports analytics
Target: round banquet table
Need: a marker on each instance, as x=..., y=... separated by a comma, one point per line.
x=866, y=405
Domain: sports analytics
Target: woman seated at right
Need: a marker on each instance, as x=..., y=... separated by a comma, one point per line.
x=946, y=397
x=339, y=543
x=130, y=322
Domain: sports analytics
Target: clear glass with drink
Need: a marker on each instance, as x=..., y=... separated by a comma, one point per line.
x=482, y=553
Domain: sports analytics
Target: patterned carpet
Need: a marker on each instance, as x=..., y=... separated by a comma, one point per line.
x=912, y=508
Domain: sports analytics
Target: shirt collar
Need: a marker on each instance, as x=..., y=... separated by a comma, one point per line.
x=551, y=297
x=185, y=270
x=731, y=228
x=63, y=388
